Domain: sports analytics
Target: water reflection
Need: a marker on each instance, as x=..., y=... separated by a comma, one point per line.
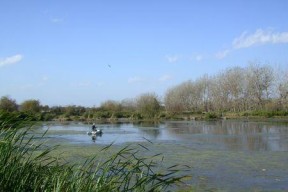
x=149, y=129
x=94, y=137
x=149, y=124
x=233, y=135
x=223, y=135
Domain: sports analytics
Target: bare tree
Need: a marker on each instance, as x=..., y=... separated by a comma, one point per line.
x=185, y=92
x=128, y=104
x=183, y=97
x=219, y=93
x=111, y=105
x=204, y=88
x=282, y=90
x=172, y=101
x=234, y=84
x=235, y=89
x=260, y=81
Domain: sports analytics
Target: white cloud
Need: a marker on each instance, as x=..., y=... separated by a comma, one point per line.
x=45, y=78
x=165, y=78
x=11, y=60
x=260, y=37
x=135, y=79
x=173, y=58
x=222, y=54
x=176, y=58
x=56, y=20
x=83, y=84
x=199, y=57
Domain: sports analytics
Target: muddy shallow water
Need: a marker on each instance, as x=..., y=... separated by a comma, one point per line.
x=223, y=155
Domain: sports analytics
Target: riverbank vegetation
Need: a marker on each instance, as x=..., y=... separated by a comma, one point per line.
x=26, y=165
x=253, y=91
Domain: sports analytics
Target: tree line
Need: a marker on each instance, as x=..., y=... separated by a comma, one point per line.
x=253, y=90
x=146, y=106
x=236, y=89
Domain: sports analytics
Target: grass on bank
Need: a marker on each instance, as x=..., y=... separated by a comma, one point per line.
x=25, y=165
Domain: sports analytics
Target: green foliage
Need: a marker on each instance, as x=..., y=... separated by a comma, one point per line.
x=7, y=104
x=137, y=116
x=103, y=114
x=32, y=106
x=119, y=114
x=164, y=115
x=14, y=120
x=111, y=106
x=74, y=110
x=265, y=113
x=211, y=115
x=145, y=107
x=45, y=116
x=148, y=105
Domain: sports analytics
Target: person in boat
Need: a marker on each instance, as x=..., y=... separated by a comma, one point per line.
x=94, y=128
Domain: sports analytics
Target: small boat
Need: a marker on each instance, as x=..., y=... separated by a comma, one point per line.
x=96, y=132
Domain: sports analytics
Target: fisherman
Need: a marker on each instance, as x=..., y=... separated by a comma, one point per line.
x=94, y=127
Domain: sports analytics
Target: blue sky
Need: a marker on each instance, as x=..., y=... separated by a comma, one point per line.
x=86, y=52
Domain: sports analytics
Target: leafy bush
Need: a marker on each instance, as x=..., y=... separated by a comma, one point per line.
x=268, y=114
x=47, y=116
x=211, y=116
x=102, y=114
x=14, y=120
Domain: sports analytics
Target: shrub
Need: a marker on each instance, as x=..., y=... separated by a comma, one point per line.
x=211, y=116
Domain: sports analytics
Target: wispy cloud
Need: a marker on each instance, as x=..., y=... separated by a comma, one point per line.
x=84, y=84
x=199, y=57
x=45, y=78
x=259, y=37
x=165, y=78
x=10, y=60
x=56, y=20
x=173, y=58
x=222, y=54
x=135, y=79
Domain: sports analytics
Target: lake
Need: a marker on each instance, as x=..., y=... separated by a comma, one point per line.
x=223, y=155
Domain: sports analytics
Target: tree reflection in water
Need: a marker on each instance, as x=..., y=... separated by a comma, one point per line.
x=151, y=128
x=234, y=135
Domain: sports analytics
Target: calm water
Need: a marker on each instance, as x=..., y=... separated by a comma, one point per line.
x=224, y=135
x=223, y=155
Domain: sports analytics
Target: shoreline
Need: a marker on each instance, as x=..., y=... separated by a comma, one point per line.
x=283, y=119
